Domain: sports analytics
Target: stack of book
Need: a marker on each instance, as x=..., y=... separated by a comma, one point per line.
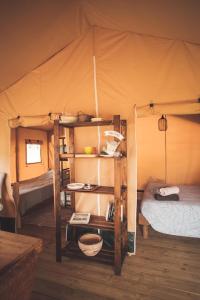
x=110, y=213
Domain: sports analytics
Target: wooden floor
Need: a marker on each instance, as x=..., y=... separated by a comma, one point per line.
x=165, y=267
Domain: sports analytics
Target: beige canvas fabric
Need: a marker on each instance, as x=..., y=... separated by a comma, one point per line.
x=130, y=69
x=32, y=31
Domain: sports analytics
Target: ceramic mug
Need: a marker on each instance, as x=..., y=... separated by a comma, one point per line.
x=88, y=150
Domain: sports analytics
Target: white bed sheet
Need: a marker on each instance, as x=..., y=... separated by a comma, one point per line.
x=173, y=217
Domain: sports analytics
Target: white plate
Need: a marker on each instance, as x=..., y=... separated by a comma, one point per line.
x=96, y=119
x=75, y=186
x=106, y=155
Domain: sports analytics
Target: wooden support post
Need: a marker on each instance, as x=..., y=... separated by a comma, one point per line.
x=17, y=153
x=117, y=195
x=124, y=182
x=49, y=133
x=57, y=209
x=72, y=164
x=16, y=200
x=72, y=174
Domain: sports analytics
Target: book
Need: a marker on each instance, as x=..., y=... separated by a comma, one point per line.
x=110, y=212
x=80, y=218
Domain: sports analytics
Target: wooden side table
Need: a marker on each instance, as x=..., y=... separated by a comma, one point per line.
x=18, y=257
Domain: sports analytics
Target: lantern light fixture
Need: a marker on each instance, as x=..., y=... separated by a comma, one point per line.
x=162, y=123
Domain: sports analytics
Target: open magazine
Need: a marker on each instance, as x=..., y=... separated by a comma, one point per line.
x=80, y=218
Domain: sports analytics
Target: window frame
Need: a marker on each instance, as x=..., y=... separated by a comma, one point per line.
x=35, y=142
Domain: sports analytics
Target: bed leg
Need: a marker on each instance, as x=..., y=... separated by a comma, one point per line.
x=145, y=230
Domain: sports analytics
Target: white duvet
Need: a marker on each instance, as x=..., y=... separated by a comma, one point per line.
x=173, y=217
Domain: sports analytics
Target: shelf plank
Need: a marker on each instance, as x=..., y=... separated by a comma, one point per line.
x=86, y=124
x=107, y=190
x=104, y=256
x=65, y=156
x=98, y=222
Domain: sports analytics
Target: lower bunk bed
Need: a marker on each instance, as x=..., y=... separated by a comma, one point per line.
x=181, y=218
x=32, y=193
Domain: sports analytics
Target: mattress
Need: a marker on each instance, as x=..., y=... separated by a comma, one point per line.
x=35, y=191
x=180, y=218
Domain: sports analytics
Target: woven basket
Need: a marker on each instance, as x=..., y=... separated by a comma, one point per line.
x=90, y=244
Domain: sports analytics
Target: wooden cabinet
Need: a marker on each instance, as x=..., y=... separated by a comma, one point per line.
x=118, y=227
x=18, y=258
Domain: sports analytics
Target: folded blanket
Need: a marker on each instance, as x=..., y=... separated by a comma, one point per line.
x=173, y=197
x=165, y=191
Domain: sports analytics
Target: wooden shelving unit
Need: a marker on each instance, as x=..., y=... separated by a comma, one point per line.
x=113, y=256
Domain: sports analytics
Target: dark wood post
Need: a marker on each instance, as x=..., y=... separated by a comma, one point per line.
x=117, y=195
x=57, y=209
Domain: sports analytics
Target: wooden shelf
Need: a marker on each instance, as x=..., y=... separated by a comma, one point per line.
x=107, y=190
x=98, y=222
x=90, y=124
x=106, y=255
x=63, y=215
x=66, y=156
x=87, y=124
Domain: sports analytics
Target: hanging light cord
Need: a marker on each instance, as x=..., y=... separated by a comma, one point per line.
x=165, y=155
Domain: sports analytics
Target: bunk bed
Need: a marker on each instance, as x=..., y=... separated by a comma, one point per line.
x=33, y=192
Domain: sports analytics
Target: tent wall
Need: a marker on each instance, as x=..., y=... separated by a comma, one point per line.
x=183, y=150
x=5, y=145
x=131, y=69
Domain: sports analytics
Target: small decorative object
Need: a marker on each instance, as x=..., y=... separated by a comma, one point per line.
x=111, y=146
x=96, y=119
x=88, y=150
x=90, y=244
x=87, y=186
x=75, y=186
x=90, y=187
x=162, y=123
x=80, y=218
x=82, y=117
x=114, y=133
x=63, y=149
x=65, y=199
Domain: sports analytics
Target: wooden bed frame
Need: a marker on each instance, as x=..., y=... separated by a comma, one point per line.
x=145, y=225
x=141, y=219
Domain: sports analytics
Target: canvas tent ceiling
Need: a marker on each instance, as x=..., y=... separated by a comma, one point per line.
x=32, y=31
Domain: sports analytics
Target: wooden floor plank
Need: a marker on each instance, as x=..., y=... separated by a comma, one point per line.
x=164, y=268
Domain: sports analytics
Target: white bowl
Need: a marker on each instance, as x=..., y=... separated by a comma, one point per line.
x=75, y=186
x=90, y=244
x=68, y=119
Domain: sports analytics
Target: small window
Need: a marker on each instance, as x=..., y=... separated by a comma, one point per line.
x=33, y=151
